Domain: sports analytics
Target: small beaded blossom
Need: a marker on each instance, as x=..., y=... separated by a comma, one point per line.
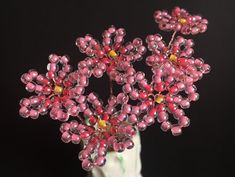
x=103, y=129
x=180, y=20
x=142, y=102
x=53, y=90
x=112, y=53
x=174, y=72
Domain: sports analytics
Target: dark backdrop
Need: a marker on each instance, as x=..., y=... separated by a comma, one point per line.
x=34, y=29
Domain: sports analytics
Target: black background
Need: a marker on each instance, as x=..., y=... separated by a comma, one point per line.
x=34, y=29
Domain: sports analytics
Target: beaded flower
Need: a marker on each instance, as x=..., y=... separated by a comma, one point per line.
x=178, y=54
x=102, y=129
x=111, y=54
x=180, y=20
x=53, y=90
x=174, y=73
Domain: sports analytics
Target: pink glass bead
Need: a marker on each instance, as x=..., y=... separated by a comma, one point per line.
x=118, y=147
x=75, y=139
x=176, y=131
x=129, y=144
x=165, y=126
x=33, y=114
x=100, y=161
x=24, y=112
x=66, y=137
x=184, y=121
x=87, y=165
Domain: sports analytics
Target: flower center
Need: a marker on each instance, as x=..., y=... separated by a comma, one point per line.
x=58, y=89
x=159, y=99
x=102, y=124
x=183, y=21
x=173, y=58
x=113, y=54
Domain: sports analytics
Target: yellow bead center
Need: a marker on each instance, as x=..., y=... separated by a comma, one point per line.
x=173, y=58
x=159, y=99
x=58, y=89
x=183, y=21
x=113, y=54
x=102, y=124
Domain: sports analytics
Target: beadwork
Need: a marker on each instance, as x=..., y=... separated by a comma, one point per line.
x=102, y=128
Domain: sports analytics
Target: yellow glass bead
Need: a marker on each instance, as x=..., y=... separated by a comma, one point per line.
x=159, y=99
x=102, y=123
x=58, y=89
x=113, y=54
x=182, y=21
x=173, y=58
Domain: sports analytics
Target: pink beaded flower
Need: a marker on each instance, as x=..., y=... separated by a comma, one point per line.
x=175, y=72
x=180, y=20
x=112, y=55
x=176, y=56
x=53, y=91
x=103, y=129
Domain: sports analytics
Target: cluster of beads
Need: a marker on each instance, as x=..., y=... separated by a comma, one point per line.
x=102, y=128
x=174, y=71
x=180, y=20
x=112, y=55
x=53, y=90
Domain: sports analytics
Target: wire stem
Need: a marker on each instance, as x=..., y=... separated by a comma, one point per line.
x=80, y=118
x=172, y=38
x=110, y=87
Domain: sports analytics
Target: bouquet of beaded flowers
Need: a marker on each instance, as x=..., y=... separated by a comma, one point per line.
x=101, y=128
